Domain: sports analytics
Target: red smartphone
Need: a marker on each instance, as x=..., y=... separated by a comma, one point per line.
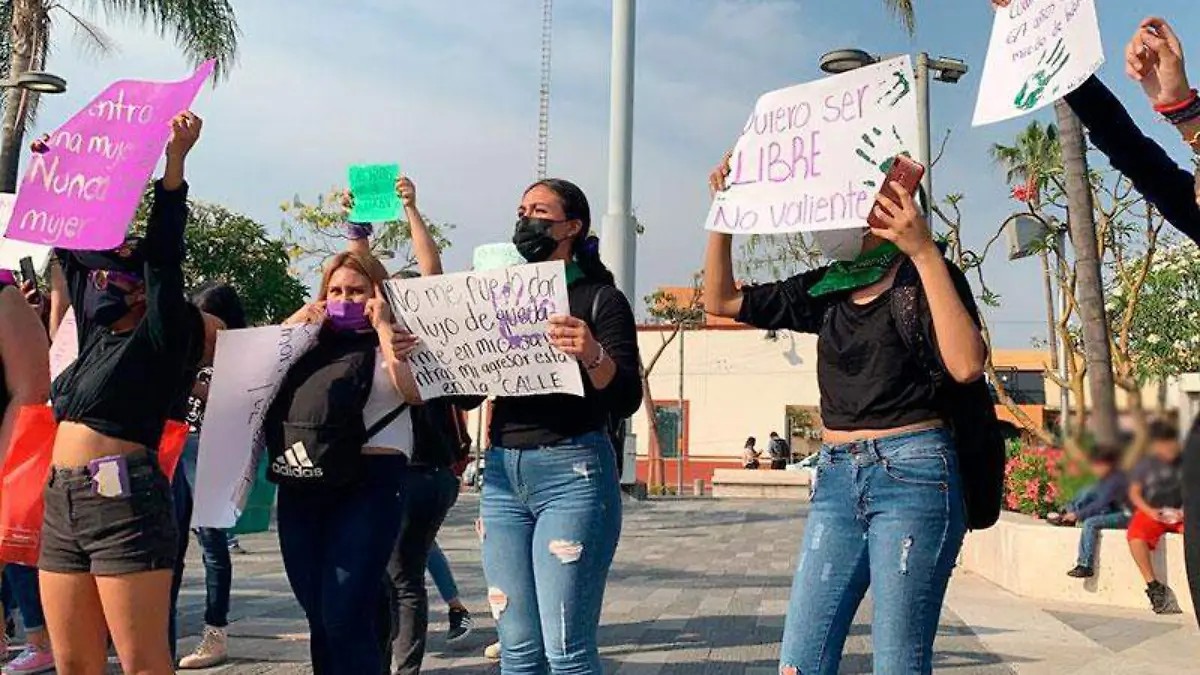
x=905, y=171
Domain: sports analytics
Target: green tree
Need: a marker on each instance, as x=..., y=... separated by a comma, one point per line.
x=203, y=29
x=231, y=248
x=675, y=313
x=1034, y=159
x=314, y=233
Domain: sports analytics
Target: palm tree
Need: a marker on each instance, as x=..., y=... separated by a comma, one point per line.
x=1035, y=156
x=905, y=13
x=203, y=29
x=1089, y=282
x=1031, y=160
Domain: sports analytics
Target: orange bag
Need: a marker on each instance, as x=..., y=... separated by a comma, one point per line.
x=27, y=468
x=22, y=480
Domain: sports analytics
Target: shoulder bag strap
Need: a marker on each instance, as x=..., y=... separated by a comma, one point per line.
x=387, y=419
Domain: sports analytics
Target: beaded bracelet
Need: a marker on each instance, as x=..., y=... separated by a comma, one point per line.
x=1185, y=112
x=1168, y=108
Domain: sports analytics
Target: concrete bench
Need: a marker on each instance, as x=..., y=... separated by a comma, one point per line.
x=1030, y=558
x=759, y=484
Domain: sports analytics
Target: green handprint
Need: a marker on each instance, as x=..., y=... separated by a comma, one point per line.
x=899, y=89
x=1049, y=65
x=876, y=144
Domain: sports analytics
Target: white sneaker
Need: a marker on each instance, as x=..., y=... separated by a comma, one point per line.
x=492, y=651
x=213, y=650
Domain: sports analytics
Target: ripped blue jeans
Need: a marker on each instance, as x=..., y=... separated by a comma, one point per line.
x=887, y=515
x=551, y=518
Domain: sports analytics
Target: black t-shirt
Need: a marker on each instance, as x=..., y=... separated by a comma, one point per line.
x=1162, y=482
x=126, y=385
x=534, y=421
x=867, y=376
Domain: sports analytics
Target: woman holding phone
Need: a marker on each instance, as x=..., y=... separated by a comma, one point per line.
x=888, y=510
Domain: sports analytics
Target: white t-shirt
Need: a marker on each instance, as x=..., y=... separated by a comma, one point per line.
x=398, y=435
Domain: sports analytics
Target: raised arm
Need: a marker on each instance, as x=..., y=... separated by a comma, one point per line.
x=785, y=305
x=424, y=247
x=169, y=316
x=955, y=324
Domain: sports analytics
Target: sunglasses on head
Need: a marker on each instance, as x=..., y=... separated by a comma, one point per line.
x=101, y=278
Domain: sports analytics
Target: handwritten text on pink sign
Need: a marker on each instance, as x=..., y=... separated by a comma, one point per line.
x=83, y=192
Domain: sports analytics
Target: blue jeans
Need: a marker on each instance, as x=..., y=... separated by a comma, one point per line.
x=551, y=521
x=1088, y=539
x=23, y=583
x=335, y=546
x=443, y=578
x=887, y=514
x=218, y=568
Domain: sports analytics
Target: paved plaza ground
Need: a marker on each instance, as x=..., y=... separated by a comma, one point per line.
x=701, y=587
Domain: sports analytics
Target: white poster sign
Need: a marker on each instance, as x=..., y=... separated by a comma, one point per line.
x=65, y=348
x=248, y=369
x=813, y=156
x=12, y=251
x=1040, y=51
x=485, y=333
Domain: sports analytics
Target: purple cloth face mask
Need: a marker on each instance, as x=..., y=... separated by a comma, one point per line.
x=347, y=316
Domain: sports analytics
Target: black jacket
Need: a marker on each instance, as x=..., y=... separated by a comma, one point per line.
x=1168, y=187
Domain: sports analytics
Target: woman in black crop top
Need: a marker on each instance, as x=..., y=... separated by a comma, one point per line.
x=887, y=510
x=109, y=536
x=551, y=509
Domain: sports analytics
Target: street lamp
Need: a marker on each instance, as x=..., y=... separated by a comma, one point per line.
x=942, y=69
x=39, y=83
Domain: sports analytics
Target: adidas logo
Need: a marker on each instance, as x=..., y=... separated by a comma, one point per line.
x=295, y=463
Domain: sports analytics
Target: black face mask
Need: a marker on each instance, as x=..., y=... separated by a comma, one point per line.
x=533, y=239
x=105, y=307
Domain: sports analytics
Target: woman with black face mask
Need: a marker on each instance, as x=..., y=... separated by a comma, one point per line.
x=551, y=508
x=109, y=535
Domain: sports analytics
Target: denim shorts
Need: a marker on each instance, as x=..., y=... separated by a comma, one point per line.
x=85, y=533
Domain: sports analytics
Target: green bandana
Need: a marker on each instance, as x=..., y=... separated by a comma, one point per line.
x=574, y=272
x=866, y=269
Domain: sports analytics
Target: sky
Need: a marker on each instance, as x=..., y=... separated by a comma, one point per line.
x=450, y=91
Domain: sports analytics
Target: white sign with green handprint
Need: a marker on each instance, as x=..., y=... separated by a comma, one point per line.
x=1041, y=50
x=813, y=156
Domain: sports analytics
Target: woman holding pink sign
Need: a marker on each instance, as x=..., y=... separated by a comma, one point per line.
x=109, y=536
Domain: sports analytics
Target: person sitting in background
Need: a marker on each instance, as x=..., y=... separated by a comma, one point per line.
x=1156, y=492
x=1103, y=506
x=750, y=454
x=780, y=451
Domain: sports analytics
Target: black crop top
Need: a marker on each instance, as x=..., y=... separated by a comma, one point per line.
x=534, y=421
x=124, y=385
x=867, y=376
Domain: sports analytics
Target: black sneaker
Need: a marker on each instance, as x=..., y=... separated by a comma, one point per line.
x=460, y=625
x=1162, y=599
x=1081, y=572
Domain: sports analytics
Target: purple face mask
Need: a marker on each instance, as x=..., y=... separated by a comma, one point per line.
x=347, y=316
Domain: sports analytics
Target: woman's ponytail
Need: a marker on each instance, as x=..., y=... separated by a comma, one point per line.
x=587, y=256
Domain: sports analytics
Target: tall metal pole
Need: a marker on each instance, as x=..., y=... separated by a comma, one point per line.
x=924, y=142
x=618, y=241
x=682, y=418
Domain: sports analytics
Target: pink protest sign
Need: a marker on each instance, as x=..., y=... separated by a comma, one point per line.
x=83, y=192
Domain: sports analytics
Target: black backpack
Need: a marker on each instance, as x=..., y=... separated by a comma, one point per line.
x=614, y=425
x=314, y=428
x=439, y=437
x=968, y=409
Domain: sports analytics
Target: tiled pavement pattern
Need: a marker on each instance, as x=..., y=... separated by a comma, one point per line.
x=698, y=587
